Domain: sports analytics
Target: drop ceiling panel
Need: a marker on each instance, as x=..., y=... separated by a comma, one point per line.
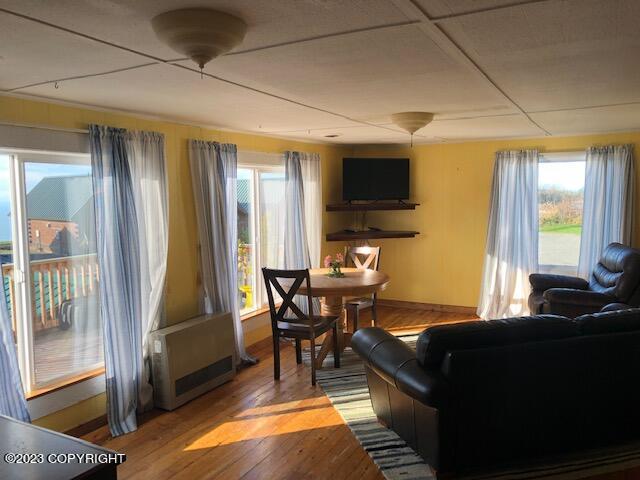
x=365, y=75
x=508, y=126
x=127, y=22
x=591, y=120
x=554, y=55
x=33, y=53
x=359, y=134
x=171, y=92
x=437, y=8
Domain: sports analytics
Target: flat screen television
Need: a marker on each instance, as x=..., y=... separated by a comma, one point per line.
x=375, y=179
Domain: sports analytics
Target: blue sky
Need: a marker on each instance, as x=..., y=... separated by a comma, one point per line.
x=564, y=175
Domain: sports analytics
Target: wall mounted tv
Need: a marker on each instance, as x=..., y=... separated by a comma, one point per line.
x=375, y=179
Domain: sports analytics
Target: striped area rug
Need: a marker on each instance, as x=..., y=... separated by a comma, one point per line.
x=347, y=390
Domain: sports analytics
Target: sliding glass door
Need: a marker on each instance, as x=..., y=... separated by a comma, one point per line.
x=260, y=230
x=50, y=270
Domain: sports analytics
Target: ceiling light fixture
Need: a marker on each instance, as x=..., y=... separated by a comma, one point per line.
x=202, y=34
x=412, y=121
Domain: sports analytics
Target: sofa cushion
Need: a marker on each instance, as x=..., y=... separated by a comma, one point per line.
x=435, y=342
x=609, y=322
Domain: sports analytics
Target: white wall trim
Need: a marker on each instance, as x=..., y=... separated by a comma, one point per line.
x=247, y=158
x=39, y=139
x=574, y=156
x=65, y=397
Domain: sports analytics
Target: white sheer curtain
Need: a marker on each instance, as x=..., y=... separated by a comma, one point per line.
x=272, y=208
x=145, y=151
x=512, y=236
x=214, y=169
x=608, y=202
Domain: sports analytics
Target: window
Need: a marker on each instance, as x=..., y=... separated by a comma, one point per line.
x=260, y=230
x=49, y=265
x=560, y=205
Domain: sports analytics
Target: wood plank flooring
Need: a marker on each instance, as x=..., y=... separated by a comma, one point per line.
x=255, y=428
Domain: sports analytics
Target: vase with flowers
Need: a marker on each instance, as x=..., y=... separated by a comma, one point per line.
x=334, y=263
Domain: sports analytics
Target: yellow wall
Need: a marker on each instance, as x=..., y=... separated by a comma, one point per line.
x=452, y=182
x=182, y=268
x=442, y=265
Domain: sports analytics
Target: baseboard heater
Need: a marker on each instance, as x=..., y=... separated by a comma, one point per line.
x=191, y=358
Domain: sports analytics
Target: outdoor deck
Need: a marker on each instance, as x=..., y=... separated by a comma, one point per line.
x=65, y=353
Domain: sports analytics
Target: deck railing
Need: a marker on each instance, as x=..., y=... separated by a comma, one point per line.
x=54, y=281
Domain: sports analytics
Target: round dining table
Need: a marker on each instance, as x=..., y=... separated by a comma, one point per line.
x=334, y=292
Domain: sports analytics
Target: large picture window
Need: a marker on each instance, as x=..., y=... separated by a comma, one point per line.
x=260, y=230
x=560, y=205
x=49, y=266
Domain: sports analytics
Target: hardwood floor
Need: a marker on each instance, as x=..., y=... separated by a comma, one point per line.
x=255, y=428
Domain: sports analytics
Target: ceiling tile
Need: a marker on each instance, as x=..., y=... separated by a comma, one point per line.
x=127, y=22
x=591, y=120
x=437, y=8
x=182, y=95
x=554, y=55
x=507, y=126
x=365, y=75
x=34, y=53
x=357, y=134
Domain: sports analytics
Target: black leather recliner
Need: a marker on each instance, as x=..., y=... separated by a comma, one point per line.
x=614, y=280
x=479, y=395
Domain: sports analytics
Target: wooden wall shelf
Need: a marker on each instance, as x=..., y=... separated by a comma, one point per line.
x=370, y=234
x=365, y=207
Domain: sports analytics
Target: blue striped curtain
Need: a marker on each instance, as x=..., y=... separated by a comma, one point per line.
x=12, y=400
x=129, y=292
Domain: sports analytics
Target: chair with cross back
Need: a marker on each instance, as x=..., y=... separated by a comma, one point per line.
x=362, y=258
x=289, y=321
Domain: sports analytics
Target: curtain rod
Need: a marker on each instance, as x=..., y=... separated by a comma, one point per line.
x=44, y=127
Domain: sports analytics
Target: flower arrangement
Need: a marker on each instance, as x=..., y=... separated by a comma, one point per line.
x=334, y=263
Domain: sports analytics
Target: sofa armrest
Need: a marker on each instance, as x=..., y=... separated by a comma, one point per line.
x=569, y=296
x=396, y=363
x=543, y=281
x=614, y=307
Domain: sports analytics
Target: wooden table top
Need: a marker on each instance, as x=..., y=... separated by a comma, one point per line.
x=355, y=282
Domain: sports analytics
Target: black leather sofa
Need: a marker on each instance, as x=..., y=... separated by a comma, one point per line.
x=480, y=395
x=614, y=280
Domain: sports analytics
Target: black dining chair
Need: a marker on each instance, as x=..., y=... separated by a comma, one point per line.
x=362, y=258
x=289, y=321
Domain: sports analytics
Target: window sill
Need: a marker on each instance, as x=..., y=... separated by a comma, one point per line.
x=570, y=270
x=253, y=313
x=67, y=382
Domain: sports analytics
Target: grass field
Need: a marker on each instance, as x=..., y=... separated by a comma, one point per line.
x=572, y=229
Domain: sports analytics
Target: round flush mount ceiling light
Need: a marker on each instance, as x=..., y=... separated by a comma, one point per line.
x=202, y=34
x=412, y=121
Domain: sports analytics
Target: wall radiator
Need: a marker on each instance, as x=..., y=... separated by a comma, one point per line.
x=191, y=358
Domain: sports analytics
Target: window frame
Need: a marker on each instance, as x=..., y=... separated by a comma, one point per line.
x=258, y=163
x=558, y=157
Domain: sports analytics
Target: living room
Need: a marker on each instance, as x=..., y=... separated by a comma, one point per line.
x=435, y=166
